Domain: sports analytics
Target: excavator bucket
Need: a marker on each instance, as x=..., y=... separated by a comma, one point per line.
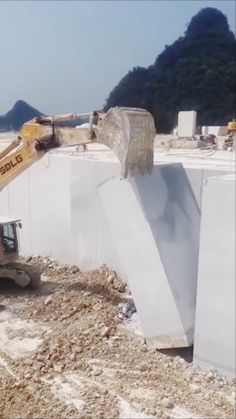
x=130, y=133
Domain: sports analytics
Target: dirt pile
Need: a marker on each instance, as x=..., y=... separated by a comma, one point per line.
x=85, y=367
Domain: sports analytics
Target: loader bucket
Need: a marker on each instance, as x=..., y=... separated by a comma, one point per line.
x=130, y=133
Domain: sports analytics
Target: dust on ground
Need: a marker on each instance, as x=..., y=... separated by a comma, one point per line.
x=63, y=355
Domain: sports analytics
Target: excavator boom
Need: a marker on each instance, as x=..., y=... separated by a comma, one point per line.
x=129, y=132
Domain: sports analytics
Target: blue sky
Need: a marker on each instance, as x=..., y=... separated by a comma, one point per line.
x=66, y=56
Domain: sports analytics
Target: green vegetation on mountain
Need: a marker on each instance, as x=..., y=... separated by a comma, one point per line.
x=197, y=72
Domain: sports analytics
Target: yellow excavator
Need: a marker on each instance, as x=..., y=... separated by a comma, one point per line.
x=129, y=132
x=231, y=139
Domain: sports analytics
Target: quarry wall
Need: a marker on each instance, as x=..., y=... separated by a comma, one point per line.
x=80, y=211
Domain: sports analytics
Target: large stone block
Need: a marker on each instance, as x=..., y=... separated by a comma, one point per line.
x=154, y=223
x=214, y=342
x=187, y=123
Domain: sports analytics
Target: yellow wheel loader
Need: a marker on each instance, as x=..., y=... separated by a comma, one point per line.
x=129, y=132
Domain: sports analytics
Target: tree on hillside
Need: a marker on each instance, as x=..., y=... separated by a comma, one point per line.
x=132, y=89
x=197, y=72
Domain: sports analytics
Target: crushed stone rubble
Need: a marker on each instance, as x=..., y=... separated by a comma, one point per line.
x=85, y=367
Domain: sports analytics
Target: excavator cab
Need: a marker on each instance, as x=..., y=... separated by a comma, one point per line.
x=23, y=274
x=8, y=239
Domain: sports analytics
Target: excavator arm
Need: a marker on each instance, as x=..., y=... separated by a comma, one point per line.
x=129, y=132
x=15, y=159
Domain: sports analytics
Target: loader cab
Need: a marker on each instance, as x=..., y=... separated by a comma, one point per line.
x=9, y=246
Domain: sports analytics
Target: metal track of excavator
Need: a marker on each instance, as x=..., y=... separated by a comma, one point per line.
x=22, y=274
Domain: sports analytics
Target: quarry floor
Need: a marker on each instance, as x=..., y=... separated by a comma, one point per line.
x=64, y=354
